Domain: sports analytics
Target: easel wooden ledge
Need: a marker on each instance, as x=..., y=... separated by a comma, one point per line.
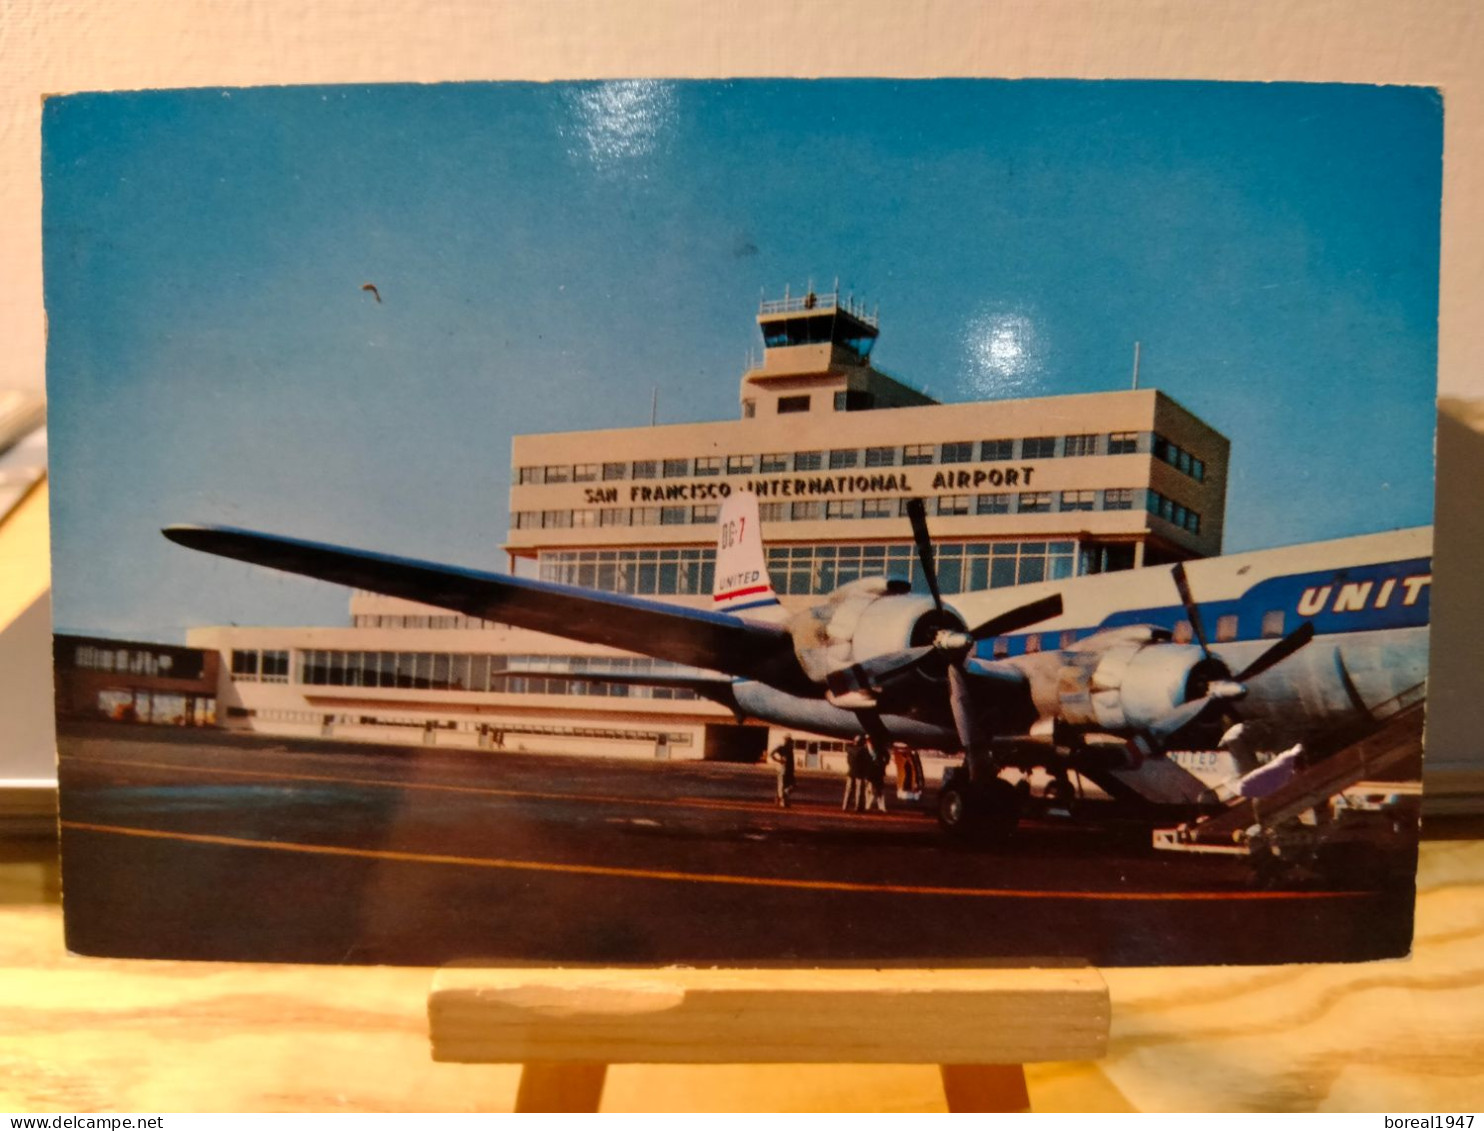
x=566, y=1026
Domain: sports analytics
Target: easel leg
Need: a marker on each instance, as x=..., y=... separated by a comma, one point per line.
x=985, y=1087
x=549, y=1086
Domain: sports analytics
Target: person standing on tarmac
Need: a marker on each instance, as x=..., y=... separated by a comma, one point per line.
x=876, y=768
x=856, y=763
x=783, y=756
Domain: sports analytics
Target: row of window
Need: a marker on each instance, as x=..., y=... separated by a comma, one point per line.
x=1273, y=624
x=906, y=455
x=812, y=510
x=1171, y=511
x=451, y=620
x=460, y=671
x=129, y=661
x=1180, y=459
x=251, y=664
x=962, y=567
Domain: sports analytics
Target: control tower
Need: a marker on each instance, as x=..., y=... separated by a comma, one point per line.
x=817, y=358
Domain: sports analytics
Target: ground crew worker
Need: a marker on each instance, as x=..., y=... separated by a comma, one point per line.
x=783, y=756
x=876, y=768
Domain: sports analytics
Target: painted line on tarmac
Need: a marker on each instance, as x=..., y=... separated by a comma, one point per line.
x=756, y=807
x=696, y=877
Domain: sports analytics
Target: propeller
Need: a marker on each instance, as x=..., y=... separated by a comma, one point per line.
x=1220, y=691
x=950, y=647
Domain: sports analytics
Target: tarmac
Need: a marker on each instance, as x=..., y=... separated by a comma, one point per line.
x=207, y=845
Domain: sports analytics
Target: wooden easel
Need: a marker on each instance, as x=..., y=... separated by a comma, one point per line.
x=566, y=1026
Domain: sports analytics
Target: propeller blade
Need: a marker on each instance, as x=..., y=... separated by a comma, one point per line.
x=875, y=671
x=1022, y=617
x=960, y=702
x=917, y=515
x=1192, y=614
x=1278, y=652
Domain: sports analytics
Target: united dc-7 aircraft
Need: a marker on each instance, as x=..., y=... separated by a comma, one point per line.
x=1109, y=677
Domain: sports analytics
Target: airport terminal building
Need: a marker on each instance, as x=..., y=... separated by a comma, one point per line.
x=1018, y=491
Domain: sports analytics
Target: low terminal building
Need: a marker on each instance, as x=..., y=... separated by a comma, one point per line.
x=1018, y=491
x=134, y=681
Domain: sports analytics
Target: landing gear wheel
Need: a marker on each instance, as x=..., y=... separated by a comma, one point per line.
x=970, y=811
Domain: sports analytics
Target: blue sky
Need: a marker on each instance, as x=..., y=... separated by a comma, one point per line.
x=547, y=254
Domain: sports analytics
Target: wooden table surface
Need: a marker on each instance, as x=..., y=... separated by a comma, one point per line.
x=81, y=1034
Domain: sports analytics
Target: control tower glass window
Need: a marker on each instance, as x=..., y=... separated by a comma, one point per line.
x=793, y=404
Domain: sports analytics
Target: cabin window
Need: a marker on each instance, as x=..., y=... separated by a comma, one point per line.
x=1183, y=633
x=1033, y=643
x=1068, y=638
x=1272, y=623
x=1226, y=627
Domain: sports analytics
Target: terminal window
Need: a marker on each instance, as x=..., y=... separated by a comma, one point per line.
x=992, y=504
x=807, y=511
x=558, y=473
x=953, y=504
x=772, y=512
x=676, y=468
x=842, y=508
x=793, y=404
x=528, y=475
x=584, y=517
x=1118, y=499
x=1078, y=500
x=613, y=516
x=585, y=473
x=674, y=516
x=881, y=457
x=1038, y=447
x=615, y=471
x=878, y=508
x=275, y=666
x=1085, y=444
x=772, y=461
x=705, y=513
x=808, y=461
x=996, y=449
x=1122, y=443
x=961, y=452
x=1035, y=502
x=646, y=469
x=914, y=454
x=244, y=664
x=739, y=465
x=844, y=457
x=708, y=465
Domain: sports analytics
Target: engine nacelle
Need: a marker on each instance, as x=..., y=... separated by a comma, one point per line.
x=1126, y=680
x=870, y=617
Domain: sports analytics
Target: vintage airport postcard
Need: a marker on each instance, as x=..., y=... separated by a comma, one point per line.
x=743, y=522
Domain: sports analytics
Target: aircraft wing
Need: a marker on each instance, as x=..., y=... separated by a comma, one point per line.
x=696, y=637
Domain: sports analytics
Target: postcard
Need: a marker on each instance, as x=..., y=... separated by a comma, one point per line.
x=832, y=522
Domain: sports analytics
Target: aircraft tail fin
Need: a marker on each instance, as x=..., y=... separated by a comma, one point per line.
x=742, y=581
